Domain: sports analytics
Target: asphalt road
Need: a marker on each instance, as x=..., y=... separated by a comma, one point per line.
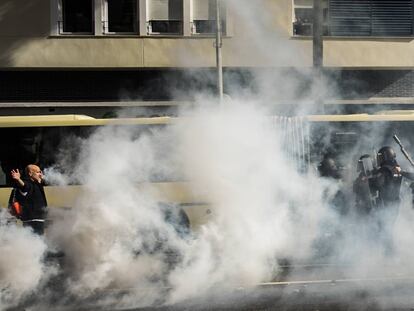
x=298, y=288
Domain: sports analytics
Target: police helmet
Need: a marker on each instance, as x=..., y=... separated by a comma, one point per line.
x=386, y=155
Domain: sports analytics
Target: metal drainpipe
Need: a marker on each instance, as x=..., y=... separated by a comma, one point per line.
x=317, y=34
x=218, y=45
x=318, y=49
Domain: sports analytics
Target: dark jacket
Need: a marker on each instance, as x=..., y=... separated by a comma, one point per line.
x=388, y=183
x=33, y=200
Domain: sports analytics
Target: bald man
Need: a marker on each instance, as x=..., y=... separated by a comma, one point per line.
x=33, y=197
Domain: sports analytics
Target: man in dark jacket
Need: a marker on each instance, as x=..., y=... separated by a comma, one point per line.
x=34, y=199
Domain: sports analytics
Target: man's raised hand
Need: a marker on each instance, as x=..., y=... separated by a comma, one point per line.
x=15, y=174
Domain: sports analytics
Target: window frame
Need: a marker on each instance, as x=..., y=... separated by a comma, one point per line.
x=142, y=20
x=60, y=21
x=328, y=30
x=325, y=25
x=149, y=20
x=223, y=17
x=150, y=32
x=105, y=20
x=377, y=26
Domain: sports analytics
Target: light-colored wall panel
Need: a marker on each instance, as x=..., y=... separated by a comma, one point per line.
x=73, y=52
x=273, y=52
x=369, y=53
x=166, y=52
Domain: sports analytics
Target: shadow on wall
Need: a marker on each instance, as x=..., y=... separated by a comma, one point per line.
x=104, y=85
x=21, y=21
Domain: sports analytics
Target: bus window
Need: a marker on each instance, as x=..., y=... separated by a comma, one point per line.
x=18, y=147
x=60, y=147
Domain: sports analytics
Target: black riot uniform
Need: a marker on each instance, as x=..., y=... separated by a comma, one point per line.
x=387, y=182
x=388, y=178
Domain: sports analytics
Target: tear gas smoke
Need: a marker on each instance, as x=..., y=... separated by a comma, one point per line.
x=263, y=210
x=53, y=176
x=118, y=237
x=236, y=159
x=22, y=269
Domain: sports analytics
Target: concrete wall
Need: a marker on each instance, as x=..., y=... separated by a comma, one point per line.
x=261, y=37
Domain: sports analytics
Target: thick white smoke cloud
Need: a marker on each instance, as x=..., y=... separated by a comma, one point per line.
x=117, y=237
x=22, y=269
x=259, y=200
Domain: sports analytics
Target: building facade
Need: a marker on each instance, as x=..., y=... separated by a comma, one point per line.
x=152, y=50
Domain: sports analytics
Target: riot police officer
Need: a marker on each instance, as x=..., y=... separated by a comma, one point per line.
x=387, y=183
x=388, y=178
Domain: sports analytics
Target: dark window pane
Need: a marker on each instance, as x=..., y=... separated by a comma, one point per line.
x=122, y=15
x=304, y=15
x=303, y=22
x=208, y=26
x=166, y=27
x=77, y=16
x=205, y=26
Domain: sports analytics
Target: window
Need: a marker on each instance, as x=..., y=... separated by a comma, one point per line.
x=165, y=16
x=137, y=17
x=356, y=17
x=120, y=16
x=76, y=17
x=303, y=21
x=303, y=17
x=204, y=16
x=371, y=17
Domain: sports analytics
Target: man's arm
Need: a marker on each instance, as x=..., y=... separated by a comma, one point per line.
x=15, y=174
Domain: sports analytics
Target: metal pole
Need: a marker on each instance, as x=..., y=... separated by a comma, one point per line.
x=318, y=49
x=219, y=63
x=317, y=34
